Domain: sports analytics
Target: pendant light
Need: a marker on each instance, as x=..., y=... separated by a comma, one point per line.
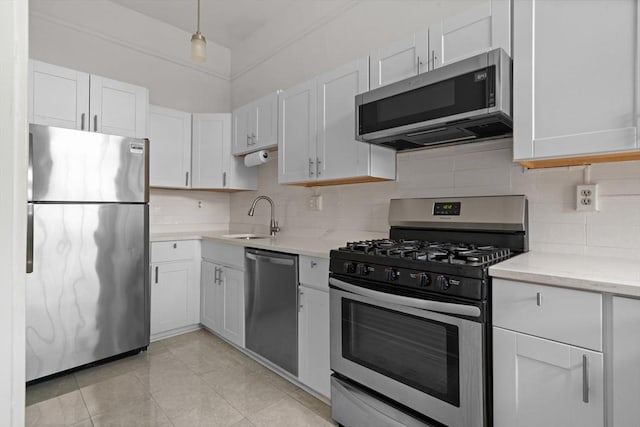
x=198, y=43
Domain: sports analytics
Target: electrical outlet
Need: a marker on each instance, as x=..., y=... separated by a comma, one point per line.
x=315, y=203
x=587, y=198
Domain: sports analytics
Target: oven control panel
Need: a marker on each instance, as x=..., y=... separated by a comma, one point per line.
x=439, y=282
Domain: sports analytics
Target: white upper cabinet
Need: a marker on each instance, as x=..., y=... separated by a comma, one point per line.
x=481, y=28
x=67, y=98
x=58, y=96
x=118, y=108
x=212, y=165
x=404, y=58
x=297, y=133
x=317, y=132
x=575, y=87
x=338, y=154
x=255, y=125
x=170, y=148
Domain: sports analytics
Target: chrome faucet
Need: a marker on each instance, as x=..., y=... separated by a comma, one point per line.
x=273, y=226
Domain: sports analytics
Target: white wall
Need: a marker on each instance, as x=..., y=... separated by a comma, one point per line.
x=172, y=210
x=13, y=207
x=105, y=38
x=313, y=37
x=474, y=169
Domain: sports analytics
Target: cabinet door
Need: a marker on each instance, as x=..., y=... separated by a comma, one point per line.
x=240, y=131
x=538, y=382
x=297, y=133
x=575, y=78
x=118, y=108
x=626, y=362
x=233, y=305
x=313, y=339
x=211, y=134
x=265, y=133
x=338, y=154
x=479, y=29
x=401, y=60
x=170, y=153
x=210, y=302
x=173, y=302
x=58, y=96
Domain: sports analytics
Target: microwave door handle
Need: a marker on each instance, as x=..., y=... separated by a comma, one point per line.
x=440, y=307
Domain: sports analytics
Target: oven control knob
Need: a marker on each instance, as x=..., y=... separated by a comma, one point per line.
x=362, y=269
x=442, y=282
x=423, y=280
x=390, y=274
x=349, y=267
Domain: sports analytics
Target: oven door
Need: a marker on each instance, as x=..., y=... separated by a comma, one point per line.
x=410, y=351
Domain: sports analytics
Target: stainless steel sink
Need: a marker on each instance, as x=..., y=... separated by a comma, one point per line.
x=247, y=236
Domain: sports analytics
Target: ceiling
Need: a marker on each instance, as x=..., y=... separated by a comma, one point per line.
x=226, y=22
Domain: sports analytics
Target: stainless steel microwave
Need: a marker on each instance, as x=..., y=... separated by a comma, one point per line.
x=465, y=101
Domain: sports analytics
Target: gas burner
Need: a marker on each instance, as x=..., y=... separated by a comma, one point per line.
x=441, y=252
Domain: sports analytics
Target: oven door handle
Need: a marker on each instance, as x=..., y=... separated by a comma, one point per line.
x=440, y=307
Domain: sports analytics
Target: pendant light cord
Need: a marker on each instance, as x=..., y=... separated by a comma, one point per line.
x=198, y=28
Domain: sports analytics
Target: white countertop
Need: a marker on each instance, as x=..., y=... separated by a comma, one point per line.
x=311, y=246
x=590, y=273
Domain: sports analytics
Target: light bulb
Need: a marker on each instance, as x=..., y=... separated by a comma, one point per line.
x=198, y=47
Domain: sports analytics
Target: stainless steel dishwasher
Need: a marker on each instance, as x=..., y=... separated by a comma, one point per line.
x=271, y=307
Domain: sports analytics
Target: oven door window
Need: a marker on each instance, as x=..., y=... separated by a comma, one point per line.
x=418, y=352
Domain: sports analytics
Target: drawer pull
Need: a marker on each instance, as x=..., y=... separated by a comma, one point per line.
x=156, y=274
x=313, y=264
x=585, y=378
x=539, y=299
x=175, y=246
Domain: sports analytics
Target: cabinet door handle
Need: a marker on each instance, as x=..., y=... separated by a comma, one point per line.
x=224, y=179
x=418, y=65
x=215, y=275
x=95, y=123
x=300, y=305
x=186, y=179
x=539, y=299
x=585, y=378
x=310, y=167
x=313, y=264
x=318, y=163
x=253, y=139
x=156, y=280
x=433, y=59
x=82, y=121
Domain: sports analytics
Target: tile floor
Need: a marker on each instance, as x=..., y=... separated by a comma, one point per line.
x=193, y=379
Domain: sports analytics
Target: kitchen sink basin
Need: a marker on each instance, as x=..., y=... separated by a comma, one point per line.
x=245, y=236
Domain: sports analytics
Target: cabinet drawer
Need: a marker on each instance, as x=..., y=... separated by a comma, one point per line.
x=176, y=250
x=314, y=272
x=225, y=254
x=564, y=315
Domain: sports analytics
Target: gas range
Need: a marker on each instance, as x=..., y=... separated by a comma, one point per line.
x=454, y=269
x=410, y=315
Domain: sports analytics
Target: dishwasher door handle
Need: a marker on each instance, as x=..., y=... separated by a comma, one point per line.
x=272, y=260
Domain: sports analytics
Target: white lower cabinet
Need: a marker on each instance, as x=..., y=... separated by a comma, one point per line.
x=175, y=297
x=313, y=324
x=539, y=382
x=626, y=362
x=222, y=297
x=313, y=340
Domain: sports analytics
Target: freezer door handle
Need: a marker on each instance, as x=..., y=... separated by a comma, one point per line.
x=30, y=238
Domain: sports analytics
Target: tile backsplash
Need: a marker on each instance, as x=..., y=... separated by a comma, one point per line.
x=185, y=210
x=474, y=169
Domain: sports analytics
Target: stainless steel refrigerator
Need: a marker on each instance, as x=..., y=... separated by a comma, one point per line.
x=87, y=295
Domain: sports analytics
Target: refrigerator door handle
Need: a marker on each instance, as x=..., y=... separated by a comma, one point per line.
x=29, y=237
